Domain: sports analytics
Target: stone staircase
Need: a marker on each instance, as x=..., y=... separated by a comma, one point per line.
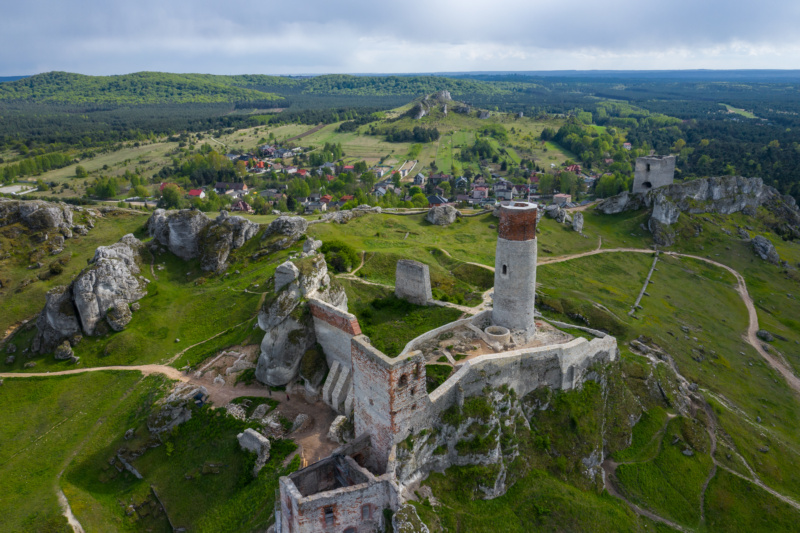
x=338, y=389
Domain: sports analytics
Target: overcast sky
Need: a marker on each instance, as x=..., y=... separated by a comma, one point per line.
x=340, y=36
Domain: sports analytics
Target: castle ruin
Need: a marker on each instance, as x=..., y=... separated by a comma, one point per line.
x=388, y=399
x=652, y=172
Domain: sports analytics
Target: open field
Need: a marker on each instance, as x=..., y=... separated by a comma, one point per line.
x=42, y=423
x=738, y=111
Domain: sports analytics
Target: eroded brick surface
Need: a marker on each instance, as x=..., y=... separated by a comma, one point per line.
x=517, y=225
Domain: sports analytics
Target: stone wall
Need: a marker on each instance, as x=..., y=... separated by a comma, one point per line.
x=388, y=395
x=390, y=408
x=304, y=508
x=652, y=172
x=413, y=282
x=334, y=329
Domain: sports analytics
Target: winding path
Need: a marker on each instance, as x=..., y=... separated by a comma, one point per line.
x=221, y=395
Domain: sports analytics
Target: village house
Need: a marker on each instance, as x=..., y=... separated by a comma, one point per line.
x=241, y=206
x=197, y=193
x=573, y=168
x=435, y=200
x=420, y=179
x=562, y=199
x=315, y=206
x=230, y=189
x=480, y=192
x=436, y=179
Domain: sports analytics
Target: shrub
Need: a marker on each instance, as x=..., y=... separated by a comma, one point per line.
x=341, y=257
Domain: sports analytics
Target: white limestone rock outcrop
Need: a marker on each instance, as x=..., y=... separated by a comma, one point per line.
x=57, y=321
x=176, y=408
x=286, y=317
x=111, y=280
x=107, y=287
x=577, y=222
x=219, y=238
x=442, y=215
x=36, y=214
x=252, y=441
x=723, y=195
x=190, y=234
x=764, y=249
x=178, y=230
x=284, y=231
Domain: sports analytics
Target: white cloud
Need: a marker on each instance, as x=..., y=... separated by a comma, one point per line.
x=309, y=36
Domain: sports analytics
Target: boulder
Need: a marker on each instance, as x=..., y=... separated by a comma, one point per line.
x=765, y=335
x=176, y=408
x=289, y=226
x=299, y=421
x=311, y=246
x=35, y=214
x=63, y=351
x=108, y=282
x=118, y=316
x=577, y=222
x=252, y=441
x=57, y=321
x=220, y=237
x=442, y=215
x=764, y=249
x=10, y=359
x=11, y=348
x=179, y=230
x=285, y=273
x=337, y=431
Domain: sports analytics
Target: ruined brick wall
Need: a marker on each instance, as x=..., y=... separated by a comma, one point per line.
x=334, y=329
x=360, y=506
x=413, y=281
x=518, y=224
x=652, y=172
x=390, y=395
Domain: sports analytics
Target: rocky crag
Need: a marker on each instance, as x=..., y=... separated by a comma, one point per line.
x=190, y=234
x=442, y=215
x=286, y=316
x=47, y=224
x=723, y=195
x=98, y=299
x=501, y=435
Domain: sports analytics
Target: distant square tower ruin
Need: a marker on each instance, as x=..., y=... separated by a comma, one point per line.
x=652, y=172
x=412, y=282
x=515, y=270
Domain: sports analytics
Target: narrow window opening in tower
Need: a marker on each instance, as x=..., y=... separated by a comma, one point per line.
x=505, y=270
x=648, y=167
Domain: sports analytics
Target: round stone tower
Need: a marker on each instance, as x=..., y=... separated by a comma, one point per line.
x=515, y=270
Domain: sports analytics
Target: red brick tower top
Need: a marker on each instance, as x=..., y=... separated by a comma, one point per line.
x=518, y=221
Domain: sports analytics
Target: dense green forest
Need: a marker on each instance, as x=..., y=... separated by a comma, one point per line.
x=718, y=123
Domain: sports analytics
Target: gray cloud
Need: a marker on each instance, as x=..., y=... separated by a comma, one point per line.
x=315, y=36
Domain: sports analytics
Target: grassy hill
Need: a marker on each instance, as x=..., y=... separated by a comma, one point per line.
x=128, y=89
x=161, y=88
x=751, y=410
